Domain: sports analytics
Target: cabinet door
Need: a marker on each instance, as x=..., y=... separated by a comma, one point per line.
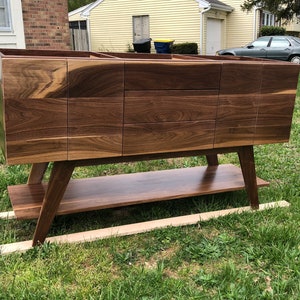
x=34, y=104
x=169, y=106
x=95, y=108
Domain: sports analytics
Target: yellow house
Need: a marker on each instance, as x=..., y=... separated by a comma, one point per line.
x=114, y=25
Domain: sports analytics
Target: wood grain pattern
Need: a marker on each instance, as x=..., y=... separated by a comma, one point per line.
x=279, y=78
x=246, y=157
x=28, y=78
x=167, y=137
x=234, y=136
x=95, y=108
x=174, y=75
x=121, y=190
x=95, y=78
x=241, y=77
x=36, y=130
x=59, y=179
x=37, y=173
x=35, y=110
x=95, y=127
x=170, y=106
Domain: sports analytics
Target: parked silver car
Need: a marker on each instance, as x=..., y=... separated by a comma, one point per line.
x=271, y=47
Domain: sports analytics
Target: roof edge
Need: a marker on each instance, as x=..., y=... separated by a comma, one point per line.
x=86, y=12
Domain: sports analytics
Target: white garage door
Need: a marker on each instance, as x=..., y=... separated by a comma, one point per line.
x=213, y=36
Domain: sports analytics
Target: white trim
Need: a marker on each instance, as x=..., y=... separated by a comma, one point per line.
x=15, y=38
x=86, y=12
x=78, y=10
x=205, y=4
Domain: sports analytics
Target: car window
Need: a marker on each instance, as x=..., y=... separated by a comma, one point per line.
x=261, y=42
x=297, y=40
x=279, y=42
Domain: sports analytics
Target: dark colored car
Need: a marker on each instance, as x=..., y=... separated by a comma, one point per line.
x=271, y=47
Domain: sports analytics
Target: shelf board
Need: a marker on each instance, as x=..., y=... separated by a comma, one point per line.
x=129, y=189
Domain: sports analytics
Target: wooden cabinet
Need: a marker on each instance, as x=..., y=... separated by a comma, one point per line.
x=82, y=108
x=69, y=105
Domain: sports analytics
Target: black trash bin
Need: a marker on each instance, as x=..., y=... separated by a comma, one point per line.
x=142, y=46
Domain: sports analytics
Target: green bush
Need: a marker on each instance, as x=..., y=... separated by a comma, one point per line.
x=185, y=48
x=272, y=30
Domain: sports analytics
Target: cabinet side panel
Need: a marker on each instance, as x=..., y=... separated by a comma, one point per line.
x=276, y=105
x=35, y=109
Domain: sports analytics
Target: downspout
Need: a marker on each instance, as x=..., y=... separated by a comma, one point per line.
x=255, y=23
x=205, y=9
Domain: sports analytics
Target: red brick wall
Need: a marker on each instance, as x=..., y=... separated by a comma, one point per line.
x=46, y=24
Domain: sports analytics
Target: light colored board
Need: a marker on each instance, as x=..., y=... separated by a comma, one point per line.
x=7, y=215
x=124, y=230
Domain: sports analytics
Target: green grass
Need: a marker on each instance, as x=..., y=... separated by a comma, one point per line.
x=245, y=256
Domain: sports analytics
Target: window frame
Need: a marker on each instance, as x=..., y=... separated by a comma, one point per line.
x=7, y=14
x=267, y=19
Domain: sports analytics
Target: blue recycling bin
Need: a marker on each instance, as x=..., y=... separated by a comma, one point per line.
x=163, y=46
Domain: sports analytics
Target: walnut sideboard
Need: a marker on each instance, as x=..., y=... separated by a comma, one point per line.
x=83, y=108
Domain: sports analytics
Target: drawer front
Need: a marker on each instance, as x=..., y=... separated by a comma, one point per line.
x=167, y=137
x=95, y=109
x=174, y=75
x=240, y=89
x=170, y=106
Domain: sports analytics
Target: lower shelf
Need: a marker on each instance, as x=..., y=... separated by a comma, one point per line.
x=129, y=189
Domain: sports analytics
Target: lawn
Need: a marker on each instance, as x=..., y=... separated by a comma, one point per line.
x=240, y=256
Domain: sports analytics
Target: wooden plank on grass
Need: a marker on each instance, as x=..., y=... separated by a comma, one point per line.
x=124, y=230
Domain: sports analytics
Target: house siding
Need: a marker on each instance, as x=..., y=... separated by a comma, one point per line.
x=293, y=26
x=111, y=22
x=46, y=24
x=240, y=25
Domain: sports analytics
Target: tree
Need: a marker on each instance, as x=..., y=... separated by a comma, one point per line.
x=283, y=10
x=74, y=4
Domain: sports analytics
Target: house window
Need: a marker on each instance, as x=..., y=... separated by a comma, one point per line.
x=5, y=23
x=268, y=19
x=77, y=24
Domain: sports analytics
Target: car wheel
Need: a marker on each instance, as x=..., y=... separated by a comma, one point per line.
x=295, y=59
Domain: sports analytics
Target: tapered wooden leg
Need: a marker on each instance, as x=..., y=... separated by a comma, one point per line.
x=246, y=157
x=37, y=173
x=212, y=159
x=59, y=179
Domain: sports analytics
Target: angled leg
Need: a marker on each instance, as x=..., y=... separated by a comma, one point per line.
x=246, y=157
x=37, y=173
x=59, y=179
x=212, y=159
